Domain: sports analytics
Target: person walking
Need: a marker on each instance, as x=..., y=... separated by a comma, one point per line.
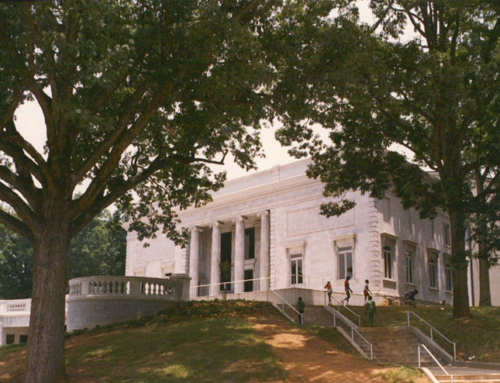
x=366, y=291
x=329, y=290
x=348, y=291
x=370, y=309
x=300, y=308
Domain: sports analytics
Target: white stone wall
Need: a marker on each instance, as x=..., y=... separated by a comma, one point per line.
x=293, y=202
x=427, y=236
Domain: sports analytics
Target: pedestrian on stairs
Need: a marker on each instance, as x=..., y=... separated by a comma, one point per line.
x=366, y=291
x=370, y=309
x=348, y=291
x=300, y=308
x=329, y=290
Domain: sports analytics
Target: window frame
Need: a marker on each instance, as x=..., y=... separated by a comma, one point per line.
x=448, y=274
x=296, y=254
x=341, y=246
x=433, y=268
x=388, y=250
x=447, y=234
x=410, y=251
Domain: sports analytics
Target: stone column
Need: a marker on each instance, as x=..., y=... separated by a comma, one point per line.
x=194, y=260
x=239, y=255
x=215, y=261
x=264, y=250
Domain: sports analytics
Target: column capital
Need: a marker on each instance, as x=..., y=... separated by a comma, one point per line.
x=195, y=229
x=241, y=218
x=216, y=224
x=264, y=213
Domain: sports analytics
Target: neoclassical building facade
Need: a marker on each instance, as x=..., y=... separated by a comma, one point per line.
x=265, y=231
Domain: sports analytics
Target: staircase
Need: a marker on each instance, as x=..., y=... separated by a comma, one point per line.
x=396, y=345
x=313, y=315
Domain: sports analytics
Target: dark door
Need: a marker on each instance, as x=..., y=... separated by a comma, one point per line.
x=248, y=284
x=225, y=260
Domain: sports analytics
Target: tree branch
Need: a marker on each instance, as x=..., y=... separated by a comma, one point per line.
x=110, y=141
x=15, y=225
x=27, y=190
x=19, y=206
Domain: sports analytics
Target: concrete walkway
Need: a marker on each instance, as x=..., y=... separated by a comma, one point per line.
x=464, y=374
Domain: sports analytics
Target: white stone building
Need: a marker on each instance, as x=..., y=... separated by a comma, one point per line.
x=268, y=226
x=268, y=229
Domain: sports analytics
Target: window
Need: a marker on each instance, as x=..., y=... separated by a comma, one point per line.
x=448, y=273
x=387, y=262
x=343, y=247
x=250, y=243
x=409, y=266
x=410, y=251
x=23, y=339
x=10, y=339
x=296, y=269
x=345, y=262
x=433, y=273
x=446, y=234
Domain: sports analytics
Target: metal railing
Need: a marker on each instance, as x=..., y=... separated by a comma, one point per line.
x=229, y=283
x=432, y=331
x=341, y=305
x=285, y=302
x=435, y=359
x=353, y=330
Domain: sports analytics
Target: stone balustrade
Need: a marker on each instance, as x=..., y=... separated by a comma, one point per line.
x=102, y=300
x=15, y=306
x=172, y=288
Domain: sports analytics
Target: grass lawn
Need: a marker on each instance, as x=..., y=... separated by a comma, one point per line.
x=221, y=349
x=477, y=338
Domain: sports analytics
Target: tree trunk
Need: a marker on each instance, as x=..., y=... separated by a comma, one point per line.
x=45, y=355
x=459, y=259
x=484, y=282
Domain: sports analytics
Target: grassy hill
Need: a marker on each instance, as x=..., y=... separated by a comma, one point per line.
x=215, y=342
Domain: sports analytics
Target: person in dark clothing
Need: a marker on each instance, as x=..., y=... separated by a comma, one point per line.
x=300, y=308
x=370, y=309
x=410, y=298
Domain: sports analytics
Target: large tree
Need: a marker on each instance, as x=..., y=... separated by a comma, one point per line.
x=138, y=96
x=434, y=93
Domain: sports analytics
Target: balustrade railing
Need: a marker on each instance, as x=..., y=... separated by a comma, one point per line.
x=125, y=286
x=15, y=306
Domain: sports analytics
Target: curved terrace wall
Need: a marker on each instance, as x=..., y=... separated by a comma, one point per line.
x=94, y=301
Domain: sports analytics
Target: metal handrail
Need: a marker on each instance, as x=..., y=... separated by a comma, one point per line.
x=284, y=301
x=353, y=330
x=230, y=282
x=432, y=333
x=335, y=299
x=435, y=359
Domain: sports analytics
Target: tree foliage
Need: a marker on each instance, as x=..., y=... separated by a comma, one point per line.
x=434, y=94
x=138, y=98
x=99, y=249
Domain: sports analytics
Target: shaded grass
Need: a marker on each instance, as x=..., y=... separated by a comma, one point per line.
x=402, y=375
x=210, y=350
x=334, y=337
x=198, y=341
x=477, y=338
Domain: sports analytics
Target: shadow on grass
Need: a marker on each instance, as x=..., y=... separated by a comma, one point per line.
x=210, y=351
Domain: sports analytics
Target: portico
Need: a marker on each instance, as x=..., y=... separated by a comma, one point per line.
x=229, y=251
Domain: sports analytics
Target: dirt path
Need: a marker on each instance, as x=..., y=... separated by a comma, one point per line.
x=309, y=359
